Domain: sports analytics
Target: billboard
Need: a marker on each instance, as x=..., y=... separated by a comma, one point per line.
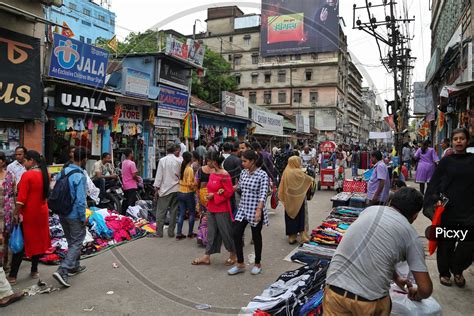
x=135, y=83
x=299, y=27
x=422, y=99
x=235, y=104
x=325, y=119
x=20, y=76
x=78, y=62
x=267, y=123
x=173, y=103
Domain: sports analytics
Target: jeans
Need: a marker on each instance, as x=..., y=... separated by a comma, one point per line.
x=233, y=205
x=239, y=229
x=74, y=232
x=130, y=200
x=355, y=170
x=186, y=202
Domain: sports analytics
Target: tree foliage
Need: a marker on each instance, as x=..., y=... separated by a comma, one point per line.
x=217, y=79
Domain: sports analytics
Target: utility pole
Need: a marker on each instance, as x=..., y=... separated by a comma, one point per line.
x=398, y=61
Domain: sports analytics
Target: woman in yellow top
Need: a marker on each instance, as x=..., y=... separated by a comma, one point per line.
x=186, y=196
x=294, y=185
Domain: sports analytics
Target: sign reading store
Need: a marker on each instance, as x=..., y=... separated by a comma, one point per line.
x=84, y=101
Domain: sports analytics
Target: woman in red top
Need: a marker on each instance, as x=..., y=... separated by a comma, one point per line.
x=31, y=204
x=219, y=222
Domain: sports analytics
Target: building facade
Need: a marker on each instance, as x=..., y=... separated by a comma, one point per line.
x=312, y=85
x=87, y=19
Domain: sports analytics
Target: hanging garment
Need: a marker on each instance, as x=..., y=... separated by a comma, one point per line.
x=70, y=124
x=139, y=129
x=61, y=123
x=106, y=141
x=90, y=125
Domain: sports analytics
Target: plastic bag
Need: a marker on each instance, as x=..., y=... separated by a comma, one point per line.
x=16, y=242
x=402, y=305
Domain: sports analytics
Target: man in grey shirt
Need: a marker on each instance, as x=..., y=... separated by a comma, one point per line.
x=358, y=278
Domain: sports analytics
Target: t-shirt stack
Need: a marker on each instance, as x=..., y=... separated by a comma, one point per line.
x=104, y=230
x=300, y=292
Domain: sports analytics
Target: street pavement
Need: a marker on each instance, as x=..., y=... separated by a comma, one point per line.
x=155, y=276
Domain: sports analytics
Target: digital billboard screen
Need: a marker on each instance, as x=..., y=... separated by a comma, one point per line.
x=299, y=26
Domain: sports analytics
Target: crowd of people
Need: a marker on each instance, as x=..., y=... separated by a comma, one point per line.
x=227, y=188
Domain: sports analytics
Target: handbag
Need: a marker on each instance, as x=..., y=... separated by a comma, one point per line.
x=274, y=199
x=311, y=191
x=16, y=242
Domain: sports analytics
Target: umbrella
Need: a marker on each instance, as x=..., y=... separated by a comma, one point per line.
x=439, y=209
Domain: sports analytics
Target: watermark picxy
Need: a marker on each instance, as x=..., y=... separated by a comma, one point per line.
x=446, y=233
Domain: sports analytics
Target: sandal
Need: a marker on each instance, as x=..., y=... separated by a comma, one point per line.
x=199, y=262
x=229, y=262
x=11, y=280
x=459, y=280
x=191, y=236
x=11, y=299
x=445, y=281
x=34, y=275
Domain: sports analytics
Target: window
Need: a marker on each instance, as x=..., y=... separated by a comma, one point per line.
x=282, y=97
x=281, y=76
x=281, y=58
x=308, y=75
x=229, y=57
x=268, y=77
x=89, y=41
x=237, y=60
x=297, y=96
x=112, y=22
x=231, y=39
x=81, y=38
x=247, y=38
x=254, y=78
x=313, y=96
x=237, y=79
x=254, y=59
x=72, y=6
x=102, y=18
x=253, y=97
x=86, y=12
x=268, y=59
x=267, y=97
x=295, y=57
x=86, y=23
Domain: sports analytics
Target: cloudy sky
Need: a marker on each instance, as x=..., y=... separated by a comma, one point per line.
x=139, y=15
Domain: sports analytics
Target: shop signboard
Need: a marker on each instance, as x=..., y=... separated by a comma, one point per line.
x=172, y=103
x=325, y=119
x=85, y=101
x=20, y=76
x=422, y=99
x=131, y=113
x=299, y=27
x=302, y=124
x=196, y=52
x=174, y=74
x=79, y=62
x=136, y=83
x=235, y=104
x=166, y=122
x=267, y=123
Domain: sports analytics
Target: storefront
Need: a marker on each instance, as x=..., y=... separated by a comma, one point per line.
x=80, y=117
x=20, y=92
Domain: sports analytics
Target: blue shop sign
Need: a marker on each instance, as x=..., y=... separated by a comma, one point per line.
x=78, y=62
x=172, y=103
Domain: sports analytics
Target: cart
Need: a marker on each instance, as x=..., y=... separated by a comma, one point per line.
x=326, y=178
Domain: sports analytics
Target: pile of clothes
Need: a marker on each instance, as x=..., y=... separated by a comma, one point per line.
x=326, y=237
x=104, y=230
x=298, y=292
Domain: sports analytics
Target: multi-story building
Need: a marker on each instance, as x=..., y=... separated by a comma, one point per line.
x=306, y=84
x=87, y=19
x=354, y=111
x=372, y=115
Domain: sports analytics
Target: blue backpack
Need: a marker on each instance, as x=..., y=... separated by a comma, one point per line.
x=60, y=201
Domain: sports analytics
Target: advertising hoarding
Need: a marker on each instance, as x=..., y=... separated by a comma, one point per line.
x=235, y=104
x=173, y=103
x=136, y=83
x=325, y=119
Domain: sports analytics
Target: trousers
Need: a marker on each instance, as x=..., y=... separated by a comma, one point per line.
x=17, y=259
x=454, y=257
x=74, y=232
x=187, y=202
x=5, y=287
x=130, y=200
x=338, y=305
x=239, y=229
x=164, y=203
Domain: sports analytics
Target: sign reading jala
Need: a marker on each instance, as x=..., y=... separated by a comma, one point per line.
x=84, y=101
x=79, y=62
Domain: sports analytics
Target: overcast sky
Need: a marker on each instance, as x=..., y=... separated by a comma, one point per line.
x=139, y=15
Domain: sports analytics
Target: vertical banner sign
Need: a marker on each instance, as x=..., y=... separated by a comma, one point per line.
x=299, y=27
x=20, y=76
x=78, y=62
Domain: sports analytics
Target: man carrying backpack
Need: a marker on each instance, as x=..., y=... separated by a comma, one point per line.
x=72, y=213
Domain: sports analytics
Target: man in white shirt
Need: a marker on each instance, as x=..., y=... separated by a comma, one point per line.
x=166, y=188
x=182, y=147
x=17, y=168
x=307, y=157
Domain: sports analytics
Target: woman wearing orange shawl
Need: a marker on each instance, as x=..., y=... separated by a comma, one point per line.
x=292, y=193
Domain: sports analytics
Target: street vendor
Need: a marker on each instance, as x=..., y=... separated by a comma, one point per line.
x=379, y=183
x=359, y=275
